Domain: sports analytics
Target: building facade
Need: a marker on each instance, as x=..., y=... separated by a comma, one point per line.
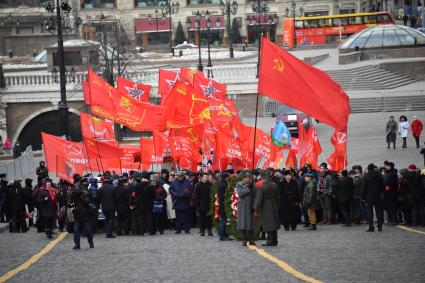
x=23, y=32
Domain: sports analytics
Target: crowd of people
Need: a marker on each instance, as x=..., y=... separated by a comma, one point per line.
x=140, y=203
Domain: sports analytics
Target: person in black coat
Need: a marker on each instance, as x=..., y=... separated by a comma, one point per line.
x=142, y=199
x=83, y=211
x=28, y=198
x=3, y=190
x=41, y=172
x=15, y=200
x=106, y=199
x=202, y=201
x=289, y=201
x=122, y=200
x=345, y=197
x=159, y=206
x=418, y=198
x=390, y=194
x=372, y=188
x=48, y=205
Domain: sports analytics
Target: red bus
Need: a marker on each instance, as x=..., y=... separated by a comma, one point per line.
x=330, y=29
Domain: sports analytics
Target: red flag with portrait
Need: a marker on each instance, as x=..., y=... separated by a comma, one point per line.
x=93, y=127
x=338, y=159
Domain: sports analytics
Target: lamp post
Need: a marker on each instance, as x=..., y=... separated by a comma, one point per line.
x=170, y=9
x=217, y=24
x=157, y=18
x=198, y=30
x=261, y=10
x=227, y=9
x=62, y=10
x=301, y=11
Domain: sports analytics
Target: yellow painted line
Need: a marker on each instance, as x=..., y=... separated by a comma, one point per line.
x=33, y=259
x=286, y=267
x=411, y=230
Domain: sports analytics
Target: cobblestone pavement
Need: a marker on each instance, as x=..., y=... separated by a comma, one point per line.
x=331, y=254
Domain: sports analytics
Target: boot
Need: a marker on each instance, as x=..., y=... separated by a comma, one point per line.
x=210, y=233
x=371, y=229
x=313, y=227
x=49, y=234
x=91, y=244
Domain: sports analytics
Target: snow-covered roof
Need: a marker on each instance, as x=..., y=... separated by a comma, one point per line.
x=77, y=42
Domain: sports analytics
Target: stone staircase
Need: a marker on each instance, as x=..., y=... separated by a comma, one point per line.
x=369, y=78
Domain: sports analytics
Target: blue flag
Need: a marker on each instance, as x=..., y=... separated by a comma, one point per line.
x=281, y=135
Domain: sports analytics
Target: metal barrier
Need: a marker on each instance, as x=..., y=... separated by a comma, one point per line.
x=20, y=168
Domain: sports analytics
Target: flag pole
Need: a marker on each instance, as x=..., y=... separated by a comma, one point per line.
x=256, y=108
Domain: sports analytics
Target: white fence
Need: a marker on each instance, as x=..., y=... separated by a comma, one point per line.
x=20, y=168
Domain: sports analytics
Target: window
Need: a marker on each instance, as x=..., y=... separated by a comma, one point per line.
x=312, y=23
x=25, y=30
x=340, y=22
x=328, y=22
x=90, y=4
x=383, y=18
x=358, y=20
x=390, y=38
x=300, y=24
x=369, y=19
x=375, y=39
x=196, y=2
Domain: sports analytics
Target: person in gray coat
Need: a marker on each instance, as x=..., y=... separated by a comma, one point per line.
x=267, y=204
x=246, y=193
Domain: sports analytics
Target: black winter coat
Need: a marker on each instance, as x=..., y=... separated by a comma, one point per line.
x=122, y=199
x=390, y=183
x=106, y=197
x=202, y=198
x=79, y=199
x=289, y=201
x=372, y=187
x=345, y=190
x=142, y=197
x=48, y=208
x=15, y=198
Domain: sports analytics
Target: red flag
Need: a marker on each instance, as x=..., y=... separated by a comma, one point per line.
x=148, y=155
x=86, y=92
x=167, y=79
x=312, y=135
x=138, y=91
x=101, y=96
x=57, y=147
x=138, y=116
x=227, y=147
x=211, y=89
x=93, y=127
x=187, y=75
x=221, y=116
x=307, y=147
x=100, y=149
x=291, y=160
x=185, y=108
x=65, y=169
x=290, y=81
x=338, y=159
x=160, y=141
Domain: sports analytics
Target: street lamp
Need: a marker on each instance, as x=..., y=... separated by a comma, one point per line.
x=261, y=9
x=62, y=11
x=301, y=11
x=227, y=9
x=217, y=25
x=198, y=30
x=170, y=9
x=157, y=18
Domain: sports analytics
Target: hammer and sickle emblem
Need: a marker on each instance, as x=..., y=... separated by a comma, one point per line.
x=278, y=65
x=193, y=136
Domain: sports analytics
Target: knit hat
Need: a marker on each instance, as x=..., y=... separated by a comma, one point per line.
x=154, y=177
x=412, y=167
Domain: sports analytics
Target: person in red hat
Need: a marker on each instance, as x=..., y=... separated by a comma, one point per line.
x=417, y=128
